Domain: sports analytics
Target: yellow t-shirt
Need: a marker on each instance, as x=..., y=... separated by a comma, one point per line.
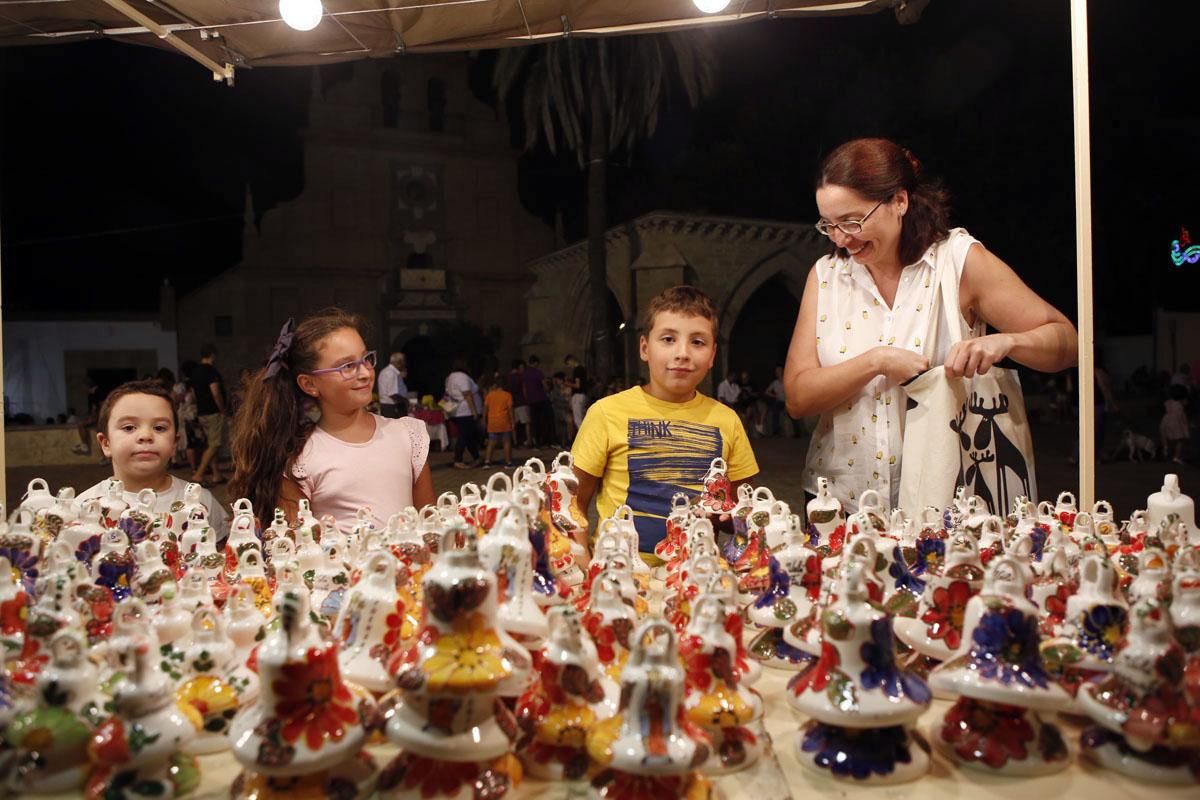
x=645, y=450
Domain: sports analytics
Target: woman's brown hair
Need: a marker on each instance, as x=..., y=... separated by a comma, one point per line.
x=878, y=169
x=272, y=423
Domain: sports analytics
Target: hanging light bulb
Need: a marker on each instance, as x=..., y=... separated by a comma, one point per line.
x=303, y=15
x=711, y=6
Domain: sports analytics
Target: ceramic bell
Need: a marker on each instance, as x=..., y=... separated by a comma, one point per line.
x=937, y=629
x=507, y=552
x=1147, y=715
x=565, y=701
x=675, y=541
x=1152, y=581
x=199, y=547
x=137, y=752
x=449, y=720
x=245, y=623
x=1104, y=524
x=795, y=585
x=305, y=733
x=861, y=704
x=651, y=748
x=1171, y=504
x=743, y=551
x=998, y=673
x=152, y=579
x=717, y=698
x=373, y=626
x=278, y=528
x=717, y=497
x=610, y=621
x=112, y=502
x=1185, y=600
x=1095, y=620
x=50, y=738
x=205, y=687
x=242, y=537
x=330, y=579
x=826, y=521
x=561, y=488
x=14, y=605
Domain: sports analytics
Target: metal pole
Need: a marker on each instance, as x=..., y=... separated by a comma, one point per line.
x=1083, y=253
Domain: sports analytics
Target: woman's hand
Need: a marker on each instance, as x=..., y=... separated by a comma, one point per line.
x=897, y=364
x=973, y=357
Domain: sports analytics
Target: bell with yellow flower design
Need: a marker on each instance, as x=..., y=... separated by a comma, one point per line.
x=307, y=730
x=448, y=718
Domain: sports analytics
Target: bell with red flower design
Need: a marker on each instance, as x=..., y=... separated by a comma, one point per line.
x=14, y=610
x=718, y=699
x=795, y=585
x=139, y=750
x=307, y=728
x=610, y=620
x=744, y=548
x=678, y=518
x=651, y=748
x=862, y=705
x=449, y=720
x=937, y=629
x=717, y=496
x=1051, y=588
x=370, y=627
x=1003, y=684
x=1147, y=712
x=567, y=698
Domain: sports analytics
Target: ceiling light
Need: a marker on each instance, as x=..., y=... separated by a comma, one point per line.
x=711, y=6
x=303, y=15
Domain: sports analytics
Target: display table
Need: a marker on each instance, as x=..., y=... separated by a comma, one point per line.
x=763, y=782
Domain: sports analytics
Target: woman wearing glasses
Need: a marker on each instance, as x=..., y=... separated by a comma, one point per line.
x=348, y=458
x=864, y=327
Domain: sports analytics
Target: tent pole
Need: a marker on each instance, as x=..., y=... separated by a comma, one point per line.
x=1083, y=253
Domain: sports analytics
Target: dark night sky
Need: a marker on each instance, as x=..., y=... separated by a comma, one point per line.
x=100, y=138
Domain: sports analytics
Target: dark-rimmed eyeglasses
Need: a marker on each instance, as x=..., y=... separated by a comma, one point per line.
x=349, y=370
x=850, y=227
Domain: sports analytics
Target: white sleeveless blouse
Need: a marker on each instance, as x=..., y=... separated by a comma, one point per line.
x=858, y=445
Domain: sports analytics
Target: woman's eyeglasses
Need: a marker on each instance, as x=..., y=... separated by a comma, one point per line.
x=349, y=370
x=850, y=227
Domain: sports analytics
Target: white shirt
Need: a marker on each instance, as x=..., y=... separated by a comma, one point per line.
x=390, y=383
x=218, y=517
x=458, y=385
x=728, y=392
x=858, y=445
x=775, y=390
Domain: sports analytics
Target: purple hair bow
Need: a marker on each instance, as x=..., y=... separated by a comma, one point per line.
x=279, y=353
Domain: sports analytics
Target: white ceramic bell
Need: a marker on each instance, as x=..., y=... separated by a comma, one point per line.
x=507, y=552
x=1171, y=504
x=368, y=627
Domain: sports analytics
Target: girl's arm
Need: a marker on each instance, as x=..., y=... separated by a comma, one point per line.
x=422, y=488
x=289, y=498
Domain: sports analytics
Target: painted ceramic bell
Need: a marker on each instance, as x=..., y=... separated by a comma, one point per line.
x=37, y=496
x=1096, y=614
x=678, y=518
x=548, y=589
x=999, y=674
x=1169, y=503
x=826, y=521
x=565, y=701
x=794, y=587
x=371, y=626
x=245, y=623
x=173, y=618
x=1148, y=726
x=624, y=524
x=448, y=717
x=112, y=502
x=1185, y=600
x=114, y=564
x=137, y=752
x=1051, y=588
x=242, y=537
x=744, y=548
x=50, y=738
x=717, y=699
x=937, y=629
x=307, y=726
x=507, y=552
x=1104, y=523
x=609, y=621
x=204, y=686
x=717, y=497
x=278, y=528
x=856, y=686
x=198, y=547
x=561, y=488
x=88, y=527
x=152, y=579
x=330, y=580
x=1153, y=579
x=651, y=737
x=14, y=604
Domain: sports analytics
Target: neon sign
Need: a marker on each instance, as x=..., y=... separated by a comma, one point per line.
x=1182, y=249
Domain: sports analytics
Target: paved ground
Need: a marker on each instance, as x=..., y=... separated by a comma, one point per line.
x=1124, y=484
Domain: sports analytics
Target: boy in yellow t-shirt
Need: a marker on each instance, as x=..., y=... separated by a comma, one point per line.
x=641, y=446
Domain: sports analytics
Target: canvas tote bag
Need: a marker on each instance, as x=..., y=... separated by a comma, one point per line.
x=970, y=432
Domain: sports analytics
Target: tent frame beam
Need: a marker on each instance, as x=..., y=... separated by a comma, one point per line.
x=1083, y=253
x=219, y=72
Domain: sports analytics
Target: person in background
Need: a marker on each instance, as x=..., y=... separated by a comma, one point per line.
x=498, y=410
x=534, y=381
x=210, y=408
x=521, y=416
x=560, y=409
x=577, y=380
x=393, y=393
x=137, y=424
x=753, y=412
x=728, y=391
x=1174, y=427
x=84, y=448
x=189, y=437
x=775, y=403
x=464, y=410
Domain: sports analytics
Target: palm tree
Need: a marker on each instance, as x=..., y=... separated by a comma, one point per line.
x=598, y=97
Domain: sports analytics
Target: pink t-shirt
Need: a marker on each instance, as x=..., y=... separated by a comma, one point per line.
x=340, y=477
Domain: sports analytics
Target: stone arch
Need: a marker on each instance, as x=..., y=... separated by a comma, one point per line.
x=580, y=320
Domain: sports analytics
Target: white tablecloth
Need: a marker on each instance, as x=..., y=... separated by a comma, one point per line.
x=438, y=433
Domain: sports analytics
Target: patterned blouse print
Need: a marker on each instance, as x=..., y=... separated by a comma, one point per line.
x=858, y=445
